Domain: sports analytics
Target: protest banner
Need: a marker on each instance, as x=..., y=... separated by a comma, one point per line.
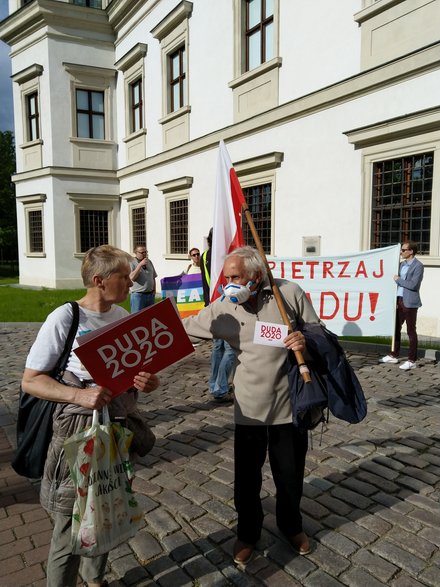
x=149, y=340
x=187, y=291
x=355, y=294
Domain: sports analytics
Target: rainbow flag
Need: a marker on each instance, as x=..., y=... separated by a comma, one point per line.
x=187, y=291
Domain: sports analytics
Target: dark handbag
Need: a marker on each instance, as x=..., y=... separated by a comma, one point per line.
x=35, y=417
x=334, y=384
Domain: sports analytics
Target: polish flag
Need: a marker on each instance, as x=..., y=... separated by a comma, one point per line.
x=227, y=234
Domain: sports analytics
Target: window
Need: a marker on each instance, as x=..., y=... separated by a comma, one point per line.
x=138, y=228
x=93, y=228
x=136, y=105
x=259, y=201
x=173, y=34
x=33, y=210
x=90, y=114
x=257, y=60
x=89, y=3
x=259, y=32
x=178, y=219
x=33, y=116
x=177, y=79
x=401, y=201
x=35, y=231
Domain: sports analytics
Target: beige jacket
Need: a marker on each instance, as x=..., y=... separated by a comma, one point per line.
x=260, y=380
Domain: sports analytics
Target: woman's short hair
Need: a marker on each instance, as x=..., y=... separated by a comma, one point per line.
x=102, y=261
x=253, y=263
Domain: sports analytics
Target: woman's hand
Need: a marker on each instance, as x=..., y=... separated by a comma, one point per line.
x=146, y=382
x=92, y=398
x=295, y=341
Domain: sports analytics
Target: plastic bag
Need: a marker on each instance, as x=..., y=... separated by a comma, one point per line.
x=105, y=512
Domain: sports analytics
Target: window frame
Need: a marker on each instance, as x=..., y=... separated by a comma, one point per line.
x=261, y=26
x=33, y=120
x=387, y=204
x=173, y=191
x=172, y=33
x=257, y=171
x=91, y=114
x=179, y=81
x=136, y=107
x=33, y=203
x=399, y=137
x=98, y=203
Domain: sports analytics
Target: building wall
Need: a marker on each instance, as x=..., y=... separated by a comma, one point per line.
x=333, y=99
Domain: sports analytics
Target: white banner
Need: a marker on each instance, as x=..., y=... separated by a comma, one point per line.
x=355, y=294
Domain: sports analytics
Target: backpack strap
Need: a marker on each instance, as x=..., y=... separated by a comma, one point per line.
x=64, y=357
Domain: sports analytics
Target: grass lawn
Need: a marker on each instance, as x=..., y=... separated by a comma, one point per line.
x=31, y=305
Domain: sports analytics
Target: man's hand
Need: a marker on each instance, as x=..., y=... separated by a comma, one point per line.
x=295, y=341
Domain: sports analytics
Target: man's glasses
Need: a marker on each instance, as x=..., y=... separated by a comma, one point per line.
x=403, y=250
x=195, y=254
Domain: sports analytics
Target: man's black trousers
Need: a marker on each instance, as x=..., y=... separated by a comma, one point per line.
x=287, y=447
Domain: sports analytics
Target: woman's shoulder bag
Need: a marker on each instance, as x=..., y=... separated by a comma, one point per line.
x=35, y=417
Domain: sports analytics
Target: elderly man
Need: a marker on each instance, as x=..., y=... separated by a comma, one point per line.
x=263, y=415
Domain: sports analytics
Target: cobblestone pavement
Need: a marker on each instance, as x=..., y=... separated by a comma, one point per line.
x=371, y=493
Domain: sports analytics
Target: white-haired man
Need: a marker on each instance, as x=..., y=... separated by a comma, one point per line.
x=262, y=409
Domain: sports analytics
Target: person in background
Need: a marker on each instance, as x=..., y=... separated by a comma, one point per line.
x=106, y=275
x=143, y=275
x=222, y=355
x=408, y=302
x=194, y=266
x=262, y=408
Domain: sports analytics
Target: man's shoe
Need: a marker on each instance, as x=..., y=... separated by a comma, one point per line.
x=407, y=365
x=388, y=359
x=242, y=552
x=226, y=398
x=300, y=543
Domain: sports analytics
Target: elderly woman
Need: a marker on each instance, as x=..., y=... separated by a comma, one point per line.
x=106, y=275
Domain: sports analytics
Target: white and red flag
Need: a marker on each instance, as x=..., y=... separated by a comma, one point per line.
x=227, y=234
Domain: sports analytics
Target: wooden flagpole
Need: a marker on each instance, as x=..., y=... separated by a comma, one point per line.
x=304, y=370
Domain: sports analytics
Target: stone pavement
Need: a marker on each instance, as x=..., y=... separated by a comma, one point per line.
x=371, y=495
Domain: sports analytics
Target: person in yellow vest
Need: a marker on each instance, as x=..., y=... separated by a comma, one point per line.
x=222, y=355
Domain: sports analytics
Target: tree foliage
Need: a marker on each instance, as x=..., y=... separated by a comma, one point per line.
x=8, y=214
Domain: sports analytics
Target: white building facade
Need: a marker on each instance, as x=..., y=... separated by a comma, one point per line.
x=330, y=111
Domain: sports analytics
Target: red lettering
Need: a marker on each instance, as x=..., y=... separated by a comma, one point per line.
x=322, y=314
x=296, y=270
x=282, y=273
x=344, y=264
x=327, y=266
x=312, y=265
x=361, y=270
x=359, y=310
x=272, y=265
x=378, y=275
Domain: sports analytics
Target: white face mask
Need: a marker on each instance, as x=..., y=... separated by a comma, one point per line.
x=237, y=293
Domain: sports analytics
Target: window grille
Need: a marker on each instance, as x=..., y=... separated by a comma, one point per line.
x=178, y=215
x=35, y=227
x=259, y=201
x=93, y=229
x=139, y=235
x=402, y=200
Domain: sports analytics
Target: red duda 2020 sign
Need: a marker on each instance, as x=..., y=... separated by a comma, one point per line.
x=149, y=340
